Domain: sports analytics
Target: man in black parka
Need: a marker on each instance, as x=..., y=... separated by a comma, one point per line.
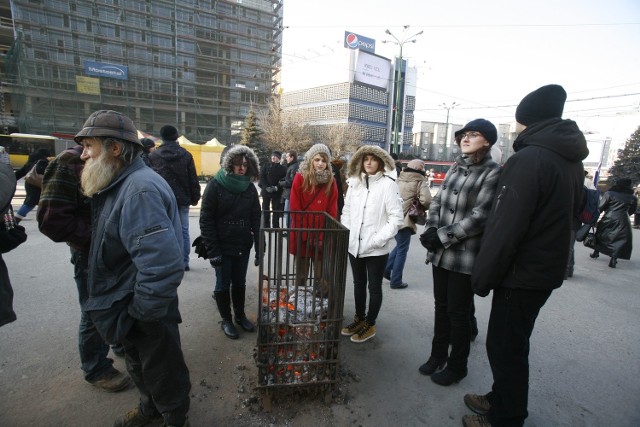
x=270, y=176
x=176, y=165
x=525, y=247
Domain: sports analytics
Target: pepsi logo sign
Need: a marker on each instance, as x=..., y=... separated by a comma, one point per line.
x=352, y=41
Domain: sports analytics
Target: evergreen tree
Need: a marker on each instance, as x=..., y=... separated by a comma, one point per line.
x=628, y=163
x=251, y=137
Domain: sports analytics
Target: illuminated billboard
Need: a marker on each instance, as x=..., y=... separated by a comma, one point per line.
x=372, y=70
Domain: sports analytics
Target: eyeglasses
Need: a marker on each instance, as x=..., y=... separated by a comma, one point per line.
x=470, y=135
x=242, y=165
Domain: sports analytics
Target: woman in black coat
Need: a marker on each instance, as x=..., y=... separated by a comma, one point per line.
x=32, y=192
x=613, y=233
x=229, y=223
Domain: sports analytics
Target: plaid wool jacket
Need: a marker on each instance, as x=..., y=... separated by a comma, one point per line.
x=459, y=211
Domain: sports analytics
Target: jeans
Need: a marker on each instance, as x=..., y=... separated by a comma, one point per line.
x=233, y=271
x=513, y=316
x=156, y=365
x=398, y=257
x=24, y=210
x=287, y=217
x=453, y=296
x=370, y=268
x=184, y=220
x=272, y=200
x=93, y=349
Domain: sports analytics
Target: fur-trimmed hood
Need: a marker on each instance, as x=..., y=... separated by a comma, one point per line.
x=245, y=151
x=355, y=165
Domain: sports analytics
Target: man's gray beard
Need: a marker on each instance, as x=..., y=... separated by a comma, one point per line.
x=99, y=173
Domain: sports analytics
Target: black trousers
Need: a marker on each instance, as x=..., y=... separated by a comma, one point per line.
x=156, y=365
x=513, y=316
x=368, y=269
x=453, y=298
x=274, y=201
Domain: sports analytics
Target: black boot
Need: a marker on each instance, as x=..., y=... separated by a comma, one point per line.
x=595, y=254
x=237, y=294
x=223, y=300
x=613, y=262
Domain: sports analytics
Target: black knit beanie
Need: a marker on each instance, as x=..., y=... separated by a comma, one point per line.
x=541, y=104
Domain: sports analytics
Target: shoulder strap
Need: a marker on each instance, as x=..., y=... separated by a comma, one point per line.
x=311, y=201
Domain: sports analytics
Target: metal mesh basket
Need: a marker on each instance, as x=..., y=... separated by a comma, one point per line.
x=301, y=301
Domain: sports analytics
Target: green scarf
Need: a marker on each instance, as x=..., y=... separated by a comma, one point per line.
x=234, y=183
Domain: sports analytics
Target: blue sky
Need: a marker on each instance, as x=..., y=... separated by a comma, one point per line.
x=483, y=55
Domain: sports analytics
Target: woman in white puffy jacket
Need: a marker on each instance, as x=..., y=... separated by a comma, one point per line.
x=373, y=214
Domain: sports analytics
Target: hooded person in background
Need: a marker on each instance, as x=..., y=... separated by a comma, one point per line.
x=176, y=166
x=135, y=266
x=613, y=232
x=270, y=176
x=412, y=184
x=525, y=247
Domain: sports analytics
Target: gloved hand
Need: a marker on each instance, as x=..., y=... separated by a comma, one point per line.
x=256, y=261
x=216, y=261
x=430, y=240
x=272, y=189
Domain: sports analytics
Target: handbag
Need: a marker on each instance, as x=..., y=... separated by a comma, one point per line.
x=582, y=232
x=590, y=239
x=33, y=177
x=416, y=212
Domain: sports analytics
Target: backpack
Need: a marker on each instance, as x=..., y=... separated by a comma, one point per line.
x=590, y=212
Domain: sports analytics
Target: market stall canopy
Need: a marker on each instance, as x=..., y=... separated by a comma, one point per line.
x=205, y=156
x=215, y=143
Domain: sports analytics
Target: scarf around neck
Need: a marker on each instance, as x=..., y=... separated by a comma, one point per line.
x=234, y=183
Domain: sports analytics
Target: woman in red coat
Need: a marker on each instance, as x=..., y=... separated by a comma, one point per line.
x=314, y=190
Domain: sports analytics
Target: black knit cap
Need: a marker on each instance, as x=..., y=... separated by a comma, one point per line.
x=485, y=127
x=277, y=153
x=543, y=103
x=169, y=133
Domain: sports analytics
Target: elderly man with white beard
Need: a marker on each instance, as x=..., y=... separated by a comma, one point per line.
x=135, y=266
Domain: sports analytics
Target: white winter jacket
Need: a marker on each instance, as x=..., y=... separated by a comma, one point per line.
x=372, y=213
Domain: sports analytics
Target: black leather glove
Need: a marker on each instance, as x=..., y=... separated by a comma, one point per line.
x=430, y=240
x=256, y=261
x=216, y=261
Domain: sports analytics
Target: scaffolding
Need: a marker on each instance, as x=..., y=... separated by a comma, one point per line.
x=199, y=65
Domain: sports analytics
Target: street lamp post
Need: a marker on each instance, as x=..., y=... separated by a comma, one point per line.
x=446, y=129
x=397, y=117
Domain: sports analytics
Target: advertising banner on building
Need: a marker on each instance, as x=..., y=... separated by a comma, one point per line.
x=101, y=69
x=372, y=70
x=89, y=85
x=356, y=41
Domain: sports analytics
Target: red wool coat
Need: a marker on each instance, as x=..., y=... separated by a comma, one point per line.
x=317, y=200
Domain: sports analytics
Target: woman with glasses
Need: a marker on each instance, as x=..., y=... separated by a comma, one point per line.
x=229, y=224
x=454, y=227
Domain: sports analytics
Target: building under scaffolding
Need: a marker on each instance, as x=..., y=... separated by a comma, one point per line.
x=197, y=64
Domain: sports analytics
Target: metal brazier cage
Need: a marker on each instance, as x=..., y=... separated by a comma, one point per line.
x=303, y=271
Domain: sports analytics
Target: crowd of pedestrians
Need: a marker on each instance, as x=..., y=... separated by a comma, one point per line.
x=489, y=228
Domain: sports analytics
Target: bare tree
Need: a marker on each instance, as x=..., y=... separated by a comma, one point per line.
x=283, y=131
x=343, y=139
